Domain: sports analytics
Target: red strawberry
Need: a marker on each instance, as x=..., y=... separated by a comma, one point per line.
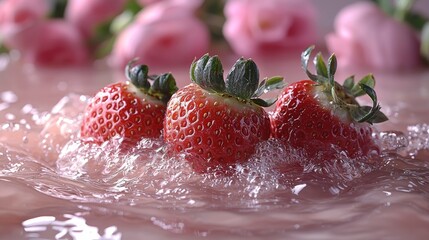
x=323, y=118
x=133, y=109
x=217, y=124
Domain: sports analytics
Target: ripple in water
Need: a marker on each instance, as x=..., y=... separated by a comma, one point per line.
x=148, y=175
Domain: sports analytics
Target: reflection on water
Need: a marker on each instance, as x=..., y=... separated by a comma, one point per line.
x=72, y=227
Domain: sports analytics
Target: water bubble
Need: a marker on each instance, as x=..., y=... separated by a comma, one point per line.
x=418, y=137
x=393, y=141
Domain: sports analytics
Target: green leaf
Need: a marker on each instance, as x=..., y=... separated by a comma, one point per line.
x=243, y=79
x=366, y=113
x=402, y=7
x=207, y=72
x=320, y=65
x=163, y=87
x=133, y=6
x=415, y=20
x=378, y=117
x=213, y=75
x=305, y=57
x=138, y=75
x=275, y=82
x=120, y=22
x=58, y=9
x=332, y=68
x=267, y=85
x=349, y=83
x=357, y=90
x=261, y=88
x=197, y=69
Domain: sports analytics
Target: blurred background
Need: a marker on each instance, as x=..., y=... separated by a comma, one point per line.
x=380, y=34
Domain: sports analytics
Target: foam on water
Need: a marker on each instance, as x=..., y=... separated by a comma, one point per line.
x=149, y=175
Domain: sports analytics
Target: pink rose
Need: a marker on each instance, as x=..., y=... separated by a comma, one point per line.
x=17, y=15
x=366, y=37
x=168, y=9
x=54, y=43
x=255, y=27
x=88, y=14
x=166, y=33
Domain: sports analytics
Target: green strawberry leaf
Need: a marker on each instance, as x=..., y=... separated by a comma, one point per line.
x=349, y=83
x=305, y=57
x=138, y=75
x=163, y=87
x=320, y=65
x=267, y=85
x=264, y=103
x=243, y=79
x=197, y=68
x=322, y=77
x=213, y=74
x=366, y=113
x=332, y=69
x=358, y=91
x=207, y=72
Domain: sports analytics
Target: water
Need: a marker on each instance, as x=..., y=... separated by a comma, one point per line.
x=56, y=187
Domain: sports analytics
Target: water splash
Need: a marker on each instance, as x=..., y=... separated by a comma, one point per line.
x=149, y=172
x=73, y=226
x=418, y=137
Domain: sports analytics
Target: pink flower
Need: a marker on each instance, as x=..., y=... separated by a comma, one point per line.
x=54, y=43
x=166, y=33
x=17, y=15
x=255, y=27
x=366, y=37
x=88, y=14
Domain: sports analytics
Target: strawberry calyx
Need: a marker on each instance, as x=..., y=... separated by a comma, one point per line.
x=242, y=81
x=344, y=96
x=161, y=86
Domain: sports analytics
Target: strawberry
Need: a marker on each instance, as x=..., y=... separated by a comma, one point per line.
x=132, y=109
x=323, y=118
x=214, y=123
